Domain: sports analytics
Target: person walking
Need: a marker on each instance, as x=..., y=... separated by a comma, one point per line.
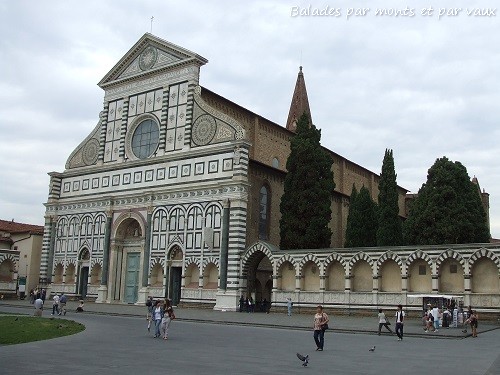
x=168, y=316
x=149, y=312
x=473, y=322
x=383, y=322
x=55, y=304
x=289, y=305
x=158, y=313
x=62, y=303
x=400, y=317
x=320, y=325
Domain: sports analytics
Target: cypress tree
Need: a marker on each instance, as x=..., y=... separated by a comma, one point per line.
x=448, y=208
x=390, y=232
x=306, y=202
x=362, y=220
x=352, y=227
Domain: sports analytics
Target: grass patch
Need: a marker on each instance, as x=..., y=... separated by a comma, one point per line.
x=18, y=329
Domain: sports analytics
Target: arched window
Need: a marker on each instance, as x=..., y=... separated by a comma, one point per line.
x=276, y=163
x=263, y=213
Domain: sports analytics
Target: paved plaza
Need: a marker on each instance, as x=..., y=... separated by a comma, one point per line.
x=116, y=341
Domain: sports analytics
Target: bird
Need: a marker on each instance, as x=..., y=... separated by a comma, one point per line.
x=372, y=349
x=305, y=360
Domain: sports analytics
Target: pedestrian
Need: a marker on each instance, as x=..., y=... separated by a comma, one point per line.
x=473, y=322
x=62, y=304
x=400, y=317
x=266, y=306
x=289, y=305
x=251, y=304
x=80, y=306
x=435, y=317
x=168, y=316
x=242, y=303
x=149, y=311
x=55, y=304
x=320, y=325
x=32, y=296
x=158, y=316
x=43, y=295
x=38, y=307
x=429, y=322
x=383, y=322
x=446, y=317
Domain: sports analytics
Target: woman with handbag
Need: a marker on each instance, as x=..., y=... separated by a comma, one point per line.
x=320, y=326
x=167, y=318
x=383, y=322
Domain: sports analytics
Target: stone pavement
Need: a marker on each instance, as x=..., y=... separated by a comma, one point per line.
x=338, y=323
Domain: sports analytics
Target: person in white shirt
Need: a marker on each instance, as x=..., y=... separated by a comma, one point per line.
x=400, y=317
x=38, y=306
x=55, y=304
x=435, y=315
x=383, y=322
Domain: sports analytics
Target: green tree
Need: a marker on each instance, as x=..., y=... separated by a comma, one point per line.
x=362, y=220
x=306, y=202
x=448, y=208
x=390, y=232
x=352, y=228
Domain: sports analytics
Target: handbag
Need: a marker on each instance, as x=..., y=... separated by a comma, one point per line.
x=324, y=327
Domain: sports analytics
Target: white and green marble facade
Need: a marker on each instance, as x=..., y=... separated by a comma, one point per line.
x=110, y=203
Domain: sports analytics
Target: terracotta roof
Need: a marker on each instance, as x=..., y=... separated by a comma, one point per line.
x=13, y=227
x=300, y=103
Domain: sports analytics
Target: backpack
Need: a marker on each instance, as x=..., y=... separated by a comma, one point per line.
x=149, y=303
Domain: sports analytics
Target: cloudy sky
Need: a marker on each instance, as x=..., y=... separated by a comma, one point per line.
x=423, y=85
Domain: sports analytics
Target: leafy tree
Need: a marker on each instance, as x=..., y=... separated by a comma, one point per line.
x=362, y=220
x=306, y=202
x=448, y=208
x=390, y=232
x=352, y=227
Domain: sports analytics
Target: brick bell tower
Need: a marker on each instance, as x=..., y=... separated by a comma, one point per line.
x=300, y=103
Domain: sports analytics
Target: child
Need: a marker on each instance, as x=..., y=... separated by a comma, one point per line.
x=80, y=306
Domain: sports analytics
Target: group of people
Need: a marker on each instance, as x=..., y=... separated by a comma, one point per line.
x=321, y=320
x=37, y=293
x=248, y=305
x=161, y=314
x=59, y=304
x=434, y=318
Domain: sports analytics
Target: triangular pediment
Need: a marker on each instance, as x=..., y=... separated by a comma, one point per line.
x=149, y=55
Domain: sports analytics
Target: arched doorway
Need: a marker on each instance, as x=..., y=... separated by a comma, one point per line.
x=83, y=272
x=126, y=261
x=259, y=279
x=174, y=275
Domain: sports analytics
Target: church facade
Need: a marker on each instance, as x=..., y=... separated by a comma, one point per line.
x=175, y=193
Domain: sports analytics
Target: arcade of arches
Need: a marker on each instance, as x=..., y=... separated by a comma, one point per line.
x=372, y=278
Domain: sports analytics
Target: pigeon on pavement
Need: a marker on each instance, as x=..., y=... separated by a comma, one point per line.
x=372, y=349
x=305, y=360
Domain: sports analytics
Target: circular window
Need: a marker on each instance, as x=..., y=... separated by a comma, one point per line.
x=145, y=139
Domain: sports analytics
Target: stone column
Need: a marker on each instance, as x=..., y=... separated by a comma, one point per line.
x=143, y=292
x=102, y=292
x=435, y=283
x=467, y=289
x=224, y=248
x=404, y=283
